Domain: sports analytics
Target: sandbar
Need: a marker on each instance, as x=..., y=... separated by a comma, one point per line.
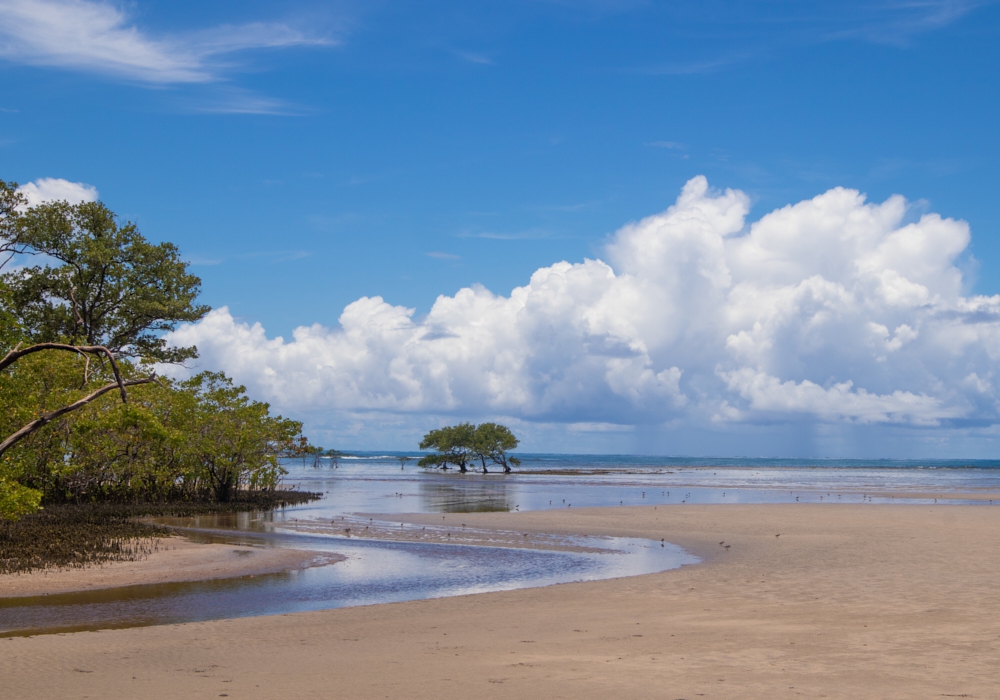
x=176, y=559
x=813, y=600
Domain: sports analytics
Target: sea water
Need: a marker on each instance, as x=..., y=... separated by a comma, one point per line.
x=380, y=485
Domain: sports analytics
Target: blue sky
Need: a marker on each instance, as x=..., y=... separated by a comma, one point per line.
x=304, y=155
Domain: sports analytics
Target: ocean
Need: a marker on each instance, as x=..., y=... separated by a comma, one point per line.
x=381, y=483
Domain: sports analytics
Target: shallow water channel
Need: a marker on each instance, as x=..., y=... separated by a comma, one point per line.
x=374, y=572
x=381, y=571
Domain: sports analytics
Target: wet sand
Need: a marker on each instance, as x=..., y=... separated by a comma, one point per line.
x=175, y=559
x=860, y=601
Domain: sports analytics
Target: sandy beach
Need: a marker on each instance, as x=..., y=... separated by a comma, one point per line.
x=860, y=601
x=175, y=559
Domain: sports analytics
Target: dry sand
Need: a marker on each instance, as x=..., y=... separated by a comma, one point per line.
x=851, y=601
x=175, y=559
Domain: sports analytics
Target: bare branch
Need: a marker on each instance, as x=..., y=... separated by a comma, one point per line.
x=86, y=369
x=17, y=353
x=76, y=310
x=49, y=417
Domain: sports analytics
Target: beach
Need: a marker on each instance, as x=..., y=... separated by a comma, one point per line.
x=879, y=601
x=175, y=559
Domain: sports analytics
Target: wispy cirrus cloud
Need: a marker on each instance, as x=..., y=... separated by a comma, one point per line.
x=672, y=145
x=695, y=67
x=478, y=58
x=228, y=99
x=266, y=256
x=98, y=37
x=755, y=31
x=527, y=235
x=897, y=22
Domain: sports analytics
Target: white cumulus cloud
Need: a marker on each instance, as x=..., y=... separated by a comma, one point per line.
x=51, y=189
x=834, y=310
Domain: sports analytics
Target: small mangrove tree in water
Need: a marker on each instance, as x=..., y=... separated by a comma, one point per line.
x=467, y=444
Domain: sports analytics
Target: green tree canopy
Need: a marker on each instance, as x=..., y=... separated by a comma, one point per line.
x=201, y=439
x=236, y=441
x=454, y=445
x=464, y=443
x=11, y=203
x=101, y=292
x=493, y=441
x=112, y=287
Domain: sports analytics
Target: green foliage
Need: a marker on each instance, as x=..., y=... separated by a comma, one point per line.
x=11, y=202
x=113, y=288
x=16, y=501
x=200, y=439
x=465, y=443
x=238, y=441
x=493, y=441
x=454, y=445
x=31, y=387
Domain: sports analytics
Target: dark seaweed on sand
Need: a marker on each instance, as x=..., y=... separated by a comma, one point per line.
x=92, y=534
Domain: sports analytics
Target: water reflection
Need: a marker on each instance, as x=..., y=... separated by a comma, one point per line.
x=377, y=485
x=384, y=571
x=465, y=497
x=374, y=572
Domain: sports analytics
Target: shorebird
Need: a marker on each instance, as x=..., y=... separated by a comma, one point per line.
x=778, y=535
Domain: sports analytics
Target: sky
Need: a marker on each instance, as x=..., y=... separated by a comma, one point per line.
x=718, y=228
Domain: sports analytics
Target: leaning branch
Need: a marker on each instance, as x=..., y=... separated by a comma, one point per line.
x=18, y=352
x=49, y=417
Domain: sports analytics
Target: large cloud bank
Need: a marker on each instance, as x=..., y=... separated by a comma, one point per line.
x=831, y=310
